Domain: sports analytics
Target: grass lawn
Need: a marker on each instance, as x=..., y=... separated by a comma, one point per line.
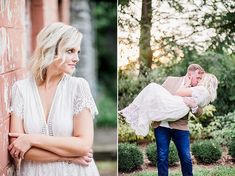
x=198, y=171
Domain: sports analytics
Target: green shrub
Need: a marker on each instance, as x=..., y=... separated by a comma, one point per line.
x=232, y=148
x=222, y=129
x=206, y=151
x=196, y=130
x=173, y=155
x=129, y=157
x=151, y=152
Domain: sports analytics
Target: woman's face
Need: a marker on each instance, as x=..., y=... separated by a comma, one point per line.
x=68, y=65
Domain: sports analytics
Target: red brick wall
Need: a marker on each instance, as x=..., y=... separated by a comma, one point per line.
x=20, y=22
x=44, y=12
x=11, y=64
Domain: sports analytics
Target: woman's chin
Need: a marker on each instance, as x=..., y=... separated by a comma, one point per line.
x=70, y=72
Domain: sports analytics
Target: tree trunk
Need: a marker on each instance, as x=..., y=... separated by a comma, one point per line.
x=81, y=18
x=145, y=51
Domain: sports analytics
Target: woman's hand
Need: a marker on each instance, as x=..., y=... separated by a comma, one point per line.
x=20, y=145
x=189, y=102
x=83, y=160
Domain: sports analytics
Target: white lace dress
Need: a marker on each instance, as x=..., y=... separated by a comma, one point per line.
x=155, y=103
x=72, y=95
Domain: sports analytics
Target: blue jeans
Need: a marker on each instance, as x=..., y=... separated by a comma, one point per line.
x=181, y=139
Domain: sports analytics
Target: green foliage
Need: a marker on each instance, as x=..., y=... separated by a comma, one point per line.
x=222, y=129
x=196, y=130
x=173, y=155
x=104, y=15
x=107, y=112
x=224, y=135
x=151, y=152
x=198, y=125
x=126, y=134
x=207, y=115
x=206, y=152
x=222, y=21
x=129, y=157
x=232, y=148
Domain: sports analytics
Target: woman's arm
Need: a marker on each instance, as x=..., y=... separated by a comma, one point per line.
x=184, y=92
x=187, y=93
x=40, y=155
x=78, y=145
x=16, y=126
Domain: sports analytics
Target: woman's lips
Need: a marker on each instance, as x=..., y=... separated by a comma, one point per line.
x=72, y=65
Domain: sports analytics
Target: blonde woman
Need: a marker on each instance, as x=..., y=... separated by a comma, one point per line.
x=52, y=112
x=155, y=103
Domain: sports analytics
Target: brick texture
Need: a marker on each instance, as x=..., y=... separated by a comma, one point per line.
x=11, y=69
x=20, y=20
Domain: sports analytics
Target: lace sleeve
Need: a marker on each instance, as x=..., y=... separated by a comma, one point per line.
x=17, y=105
x=83, y=99
x=201, y=96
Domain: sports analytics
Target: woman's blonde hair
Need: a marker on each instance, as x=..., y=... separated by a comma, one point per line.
x=210, y=82
x=50, y=38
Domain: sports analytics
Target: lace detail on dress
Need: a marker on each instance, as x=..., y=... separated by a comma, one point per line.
x=83, y=99
x=201, y=95
x=17, y=105
x=132, y=114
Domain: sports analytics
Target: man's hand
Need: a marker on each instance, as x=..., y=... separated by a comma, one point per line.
x=198, y=112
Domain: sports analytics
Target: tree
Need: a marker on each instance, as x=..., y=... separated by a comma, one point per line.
x=87, y=63
x=145, y=51
x=200, y=25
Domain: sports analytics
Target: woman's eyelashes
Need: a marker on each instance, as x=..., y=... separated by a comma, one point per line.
x=70, y=51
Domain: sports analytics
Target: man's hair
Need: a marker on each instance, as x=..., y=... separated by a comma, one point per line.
x=194, y=67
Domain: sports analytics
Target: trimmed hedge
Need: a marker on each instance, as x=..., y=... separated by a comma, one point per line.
x=129, y=157
x=207, y=151
x=151, y=152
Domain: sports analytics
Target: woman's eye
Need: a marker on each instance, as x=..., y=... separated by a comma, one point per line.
x=69, y=51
